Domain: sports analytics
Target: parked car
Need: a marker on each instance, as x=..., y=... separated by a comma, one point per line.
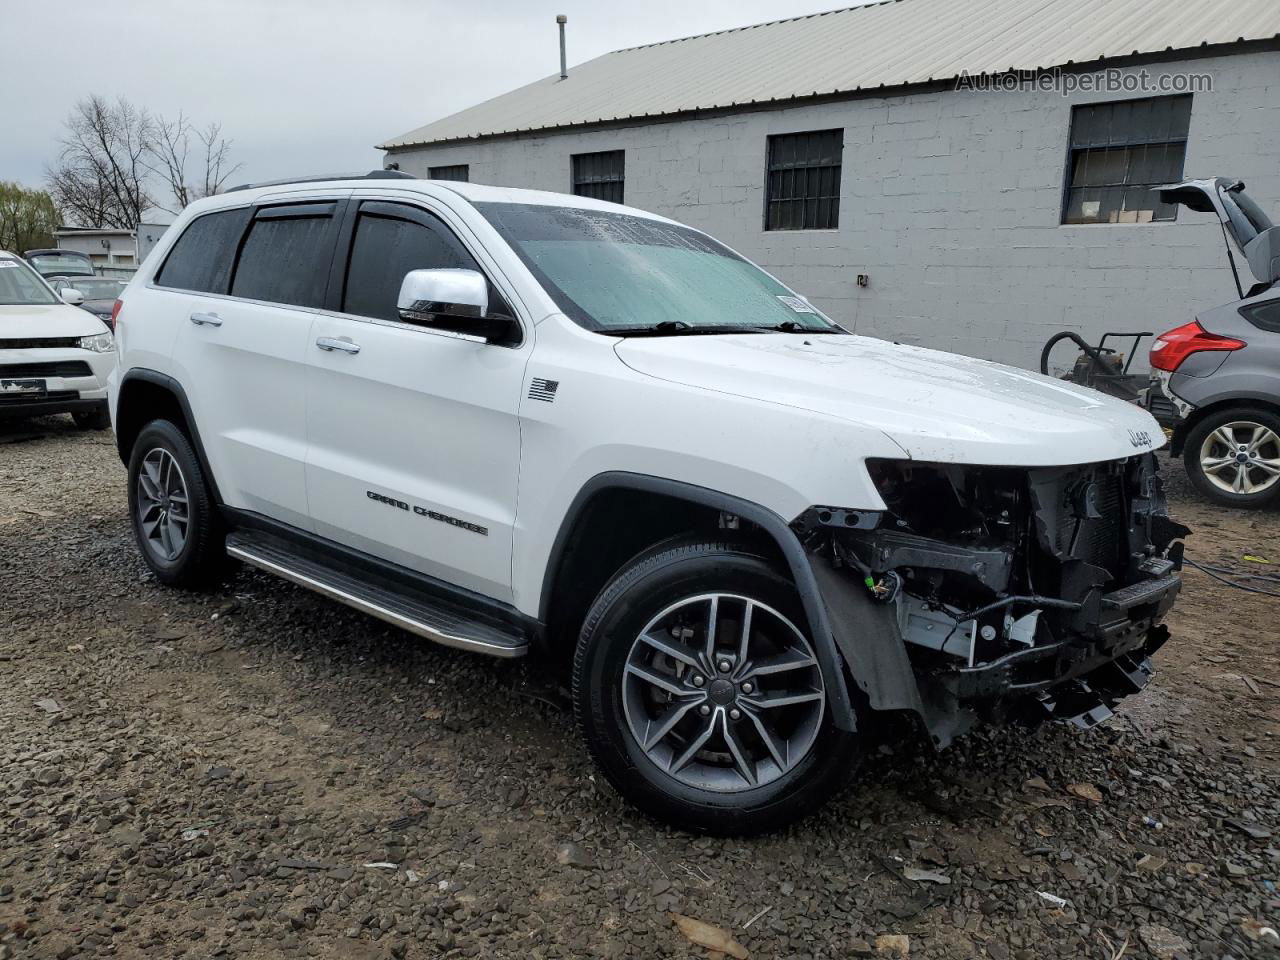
x=98, y=295
x=54, y=357
x=1219, y=375
x=504, y=418
x=56, y=262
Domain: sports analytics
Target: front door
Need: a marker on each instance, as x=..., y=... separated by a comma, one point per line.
x=413, y=433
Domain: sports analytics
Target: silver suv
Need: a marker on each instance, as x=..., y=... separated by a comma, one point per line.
x=1219, y=376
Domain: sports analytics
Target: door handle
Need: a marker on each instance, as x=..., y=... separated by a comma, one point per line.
x=336, y=343
x=206, y=320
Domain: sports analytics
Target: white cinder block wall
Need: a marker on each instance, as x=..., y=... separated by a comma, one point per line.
x=950, y=202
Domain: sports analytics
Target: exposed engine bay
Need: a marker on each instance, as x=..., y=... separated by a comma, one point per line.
x=1028, y=592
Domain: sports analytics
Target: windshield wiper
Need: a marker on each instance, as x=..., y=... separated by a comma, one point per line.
x=791, y=326
x=678, y=328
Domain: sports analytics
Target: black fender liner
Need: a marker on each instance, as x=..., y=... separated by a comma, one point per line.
x=793, y=552
x=166, y=382
x=867, y=634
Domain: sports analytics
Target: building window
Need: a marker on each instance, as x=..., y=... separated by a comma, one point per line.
x=1119, y=151
x=803, y=187
x=599, y=175
x=455, y=171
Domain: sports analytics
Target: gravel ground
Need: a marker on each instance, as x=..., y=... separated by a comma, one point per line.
x=259, y=772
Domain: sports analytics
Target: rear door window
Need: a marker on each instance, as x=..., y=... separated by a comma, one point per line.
x=391, y=239
x=201, y=259
x=286, y=255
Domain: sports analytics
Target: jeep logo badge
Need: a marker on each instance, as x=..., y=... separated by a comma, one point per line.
x=1140, y=438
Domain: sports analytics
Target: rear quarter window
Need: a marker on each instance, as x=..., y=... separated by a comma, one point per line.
x=201, y=259
x=1264, y=316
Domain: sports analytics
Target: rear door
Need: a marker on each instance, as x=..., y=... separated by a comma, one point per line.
x=241, y=352
x=414, y=439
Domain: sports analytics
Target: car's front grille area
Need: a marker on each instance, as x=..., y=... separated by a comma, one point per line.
x=47, y=368
x=38, y=343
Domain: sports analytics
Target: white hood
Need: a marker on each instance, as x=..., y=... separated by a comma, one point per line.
x=939, y=407
x=47, y=320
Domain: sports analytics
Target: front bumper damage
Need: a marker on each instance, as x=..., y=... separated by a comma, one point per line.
x=999, y=594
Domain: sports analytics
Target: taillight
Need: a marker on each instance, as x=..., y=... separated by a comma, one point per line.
x=1171, y=348
x=115, y=313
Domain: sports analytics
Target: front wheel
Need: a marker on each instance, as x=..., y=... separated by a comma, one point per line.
x=700, y=696
x=1233, y=457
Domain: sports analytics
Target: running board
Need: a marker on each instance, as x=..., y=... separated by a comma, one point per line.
x=420, y=613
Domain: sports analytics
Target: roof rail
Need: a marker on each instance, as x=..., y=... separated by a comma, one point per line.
x=371, y=175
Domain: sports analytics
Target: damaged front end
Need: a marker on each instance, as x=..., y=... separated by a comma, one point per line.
x=999, y=593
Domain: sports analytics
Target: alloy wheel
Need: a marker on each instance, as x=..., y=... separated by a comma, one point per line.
x=1241, y=457
x=723, y=692
x=164, y=510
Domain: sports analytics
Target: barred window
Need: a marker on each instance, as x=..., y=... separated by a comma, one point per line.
x=454, y=171
x=1119, y=151
x=802, y=191
x=599, y=175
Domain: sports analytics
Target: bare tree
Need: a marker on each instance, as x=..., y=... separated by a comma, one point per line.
x=170, y=152
x=118, y=161
x=100, y=176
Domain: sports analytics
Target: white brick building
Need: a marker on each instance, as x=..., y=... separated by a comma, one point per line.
x=956, y=205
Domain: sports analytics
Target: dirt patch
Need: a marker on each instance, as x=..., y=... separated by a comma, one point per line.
x=259, y=772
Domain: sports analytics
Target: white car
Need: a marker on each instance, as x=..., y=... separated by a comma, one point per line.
x=54, y=357
x=503, y=419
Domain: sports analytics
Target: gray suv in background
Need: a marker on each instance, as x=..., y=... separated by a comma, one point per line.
x=1219, y=376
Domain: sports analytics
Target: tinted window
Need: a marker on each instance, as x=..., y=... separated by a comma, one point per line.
x=201, y=259
x=1264, y=316
x=385, y=248
x=286, y=256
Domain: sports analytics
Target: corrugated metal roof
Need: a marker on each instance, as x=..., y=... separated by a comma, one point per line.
x=878, y=45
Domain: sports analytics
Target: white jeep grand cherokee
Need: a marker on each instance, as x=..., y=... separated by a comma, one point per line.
x=501, y=418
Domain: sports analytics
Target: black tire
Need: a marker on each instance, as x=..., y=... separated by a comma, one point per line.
x=1204, y=440
x=648, y=585
x=201, y=561
x=99, y=418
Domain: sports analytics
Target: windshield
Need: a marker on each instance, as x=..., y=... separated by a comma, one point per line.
x=93, y=288
x=618, y=273
x=19, y=285
x=52, y=264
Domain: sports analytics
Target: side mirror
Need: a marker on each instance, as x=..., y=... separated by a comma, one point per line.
x=72, y=296
x=455, y=300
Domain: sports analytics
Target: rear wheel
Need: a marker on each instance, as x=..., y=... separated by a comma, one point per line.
x=1233, y=457
x=700, y=696
x=175, y=520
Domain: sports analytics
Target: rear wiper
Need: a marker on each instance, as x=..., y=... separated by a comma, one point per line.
x=677, y=328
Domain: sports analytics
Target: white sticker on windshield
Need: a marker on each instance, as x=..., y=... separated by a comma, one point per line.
x=797, y=305
x=8, y=263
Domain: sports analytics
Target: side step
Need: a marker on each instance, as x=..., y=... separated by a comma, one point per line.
x=416, y=611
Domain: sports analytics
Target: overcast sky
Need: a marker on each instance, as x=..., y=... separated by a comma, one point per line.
x=307, y=86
